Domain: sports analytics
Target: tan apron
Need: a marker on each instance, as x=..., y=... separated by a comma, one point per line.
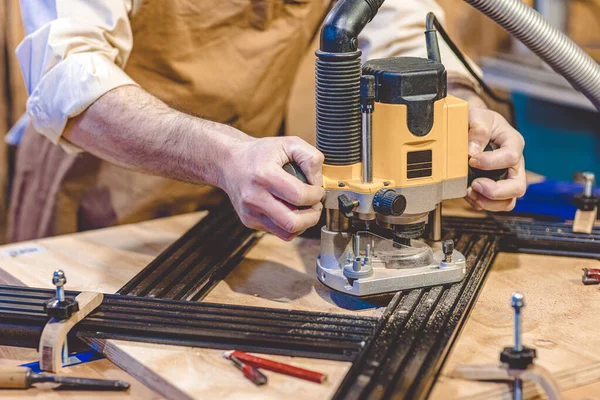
x=227, y=61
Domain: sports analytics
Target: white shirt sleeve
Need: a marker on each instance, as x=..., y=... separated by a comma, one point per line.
x=72, y=54
x=398, y=29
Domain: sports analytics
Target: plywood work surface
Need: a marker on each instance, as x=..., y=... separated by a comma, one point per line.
x=274, y=274
x=559, y=319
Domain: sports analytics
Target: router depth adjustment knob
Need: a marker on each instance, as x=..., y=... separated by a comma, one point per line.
x=388, y=202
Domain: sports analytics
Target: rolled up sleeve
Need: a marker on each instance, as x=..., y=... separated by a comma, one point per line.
x=73, y=53
x=398, y=30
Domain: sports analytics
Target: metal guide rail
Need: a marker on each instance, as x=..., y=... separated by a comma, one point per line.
x=186, y=323
x=417, y=332
x=530, y=236
x=397, y=355
x=196, y=262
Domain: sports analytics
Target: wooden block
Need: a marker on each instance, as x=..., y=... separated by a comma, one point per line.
x=584, y=221
x=55, y=332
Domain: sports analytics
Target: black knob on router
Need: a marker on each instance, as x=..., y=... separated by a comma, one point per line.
x=294, y=169
x=495, y=175
x=388, y=202
x=346, y=206
x=448, y=247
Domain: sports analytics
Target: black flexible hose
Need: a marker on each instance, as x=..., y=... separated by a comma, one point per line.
x=431, y=25
x=550, y=44
x=338, y=72
x=434, y=24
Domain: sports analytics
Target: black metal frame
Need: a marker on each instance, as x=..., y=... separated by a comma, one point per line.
x=398, y=355
x=194, y=264
x=190, y=323
x=522, y=235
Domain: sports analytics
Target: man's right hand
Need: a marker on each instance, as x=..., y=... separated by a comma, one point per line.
x=131, y=128
x=264, y=195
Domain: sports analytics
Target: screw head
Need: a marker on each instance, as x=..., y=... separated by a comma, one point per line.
x=448, y=247
x=588, y=176
x=59, y=278
x=518, y=300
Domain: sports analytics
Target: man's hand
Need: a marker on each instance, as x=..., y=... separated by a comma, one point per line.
x=484, y=194
x=264, y=195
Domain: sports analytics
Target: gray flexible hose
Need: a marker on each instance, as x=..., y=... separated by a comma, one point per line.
x=550, y=44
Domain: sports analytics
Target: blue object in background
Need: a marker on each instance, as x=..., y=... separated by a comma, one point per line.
x=551, y=198
x=74, y=359
x=559, y=140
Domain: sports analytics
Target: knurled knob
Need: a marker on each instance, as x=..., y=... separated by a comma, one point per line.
x=61, y=309
x=388, y=202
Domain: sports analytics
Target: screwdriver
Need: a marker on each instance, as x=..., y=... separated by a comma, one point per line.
x=24, y=378
x=250, y=372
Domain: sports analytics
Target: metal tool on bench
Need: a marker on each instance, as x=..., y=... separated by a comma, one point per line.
x=24, y=378
x=250, y=372
x=517, y=363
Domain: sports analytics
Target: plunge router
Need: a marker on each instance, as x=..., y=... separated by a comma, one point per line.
x=395, y=146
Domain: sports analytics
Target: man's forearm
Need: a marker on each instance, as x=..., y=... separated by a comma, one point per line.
x=131, y=128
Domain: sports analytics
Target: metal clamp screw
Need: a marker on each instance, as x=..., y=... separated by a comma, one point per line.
x=448, y=249
x=518, y=303
x=58, y=280
x=589, y=178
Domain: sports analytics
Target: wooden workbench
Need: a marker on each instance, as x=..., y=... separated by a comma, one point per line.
x=560, y=318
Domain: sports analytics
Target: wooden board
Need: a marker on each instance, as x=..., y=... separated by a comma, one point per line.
x=99, y=261
x=281, y=275
x=180, y=372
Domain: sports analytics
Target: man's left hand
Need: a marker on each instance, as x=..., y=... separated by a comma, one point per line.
x=484, y=194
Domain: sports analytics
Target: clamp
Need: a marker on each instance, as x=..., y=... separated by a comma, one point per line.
x=587, y=206
x=64, y=313
x=517, y=363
